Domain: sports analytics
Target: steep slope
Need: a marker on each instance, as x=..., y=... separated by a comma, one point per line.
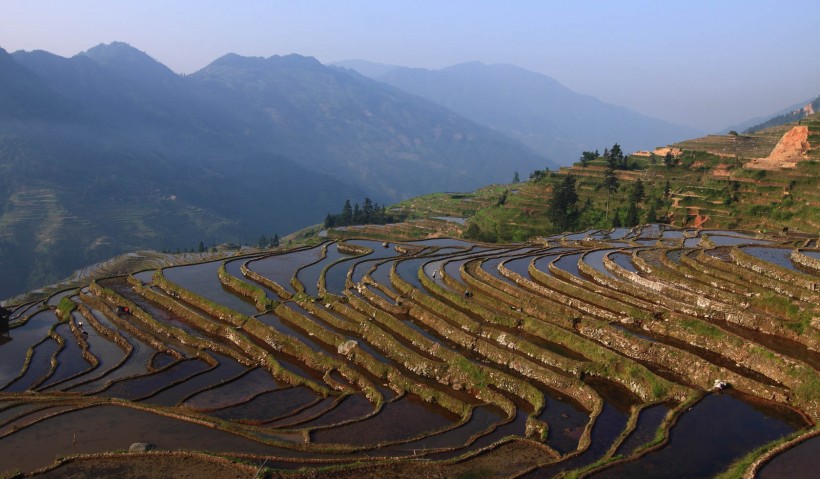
x=362, y=131
x=140, y=163
x=110, y=151
x=25, y=96
x=545, y=115
x=795, y=113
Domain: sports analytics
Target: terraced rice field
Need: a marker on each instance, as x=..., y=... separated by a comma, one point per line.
x=595, y=355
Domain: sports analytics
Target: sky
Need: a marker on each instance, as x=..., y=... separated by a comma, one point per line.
x=705, y=64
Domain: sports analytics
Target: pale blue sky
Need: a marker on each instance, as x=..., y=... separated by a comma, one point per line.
x=707, y=64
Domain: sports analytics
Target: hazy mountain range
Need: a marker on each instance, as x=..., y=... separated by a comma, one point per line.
x=110, y=151
x=537, y=110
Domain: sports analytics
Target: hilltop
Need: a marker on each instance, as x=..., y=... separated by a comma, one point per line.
x=765, y=181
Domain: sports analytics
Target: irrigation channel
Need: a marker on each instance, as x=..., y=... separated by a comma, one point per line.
x=651, y=352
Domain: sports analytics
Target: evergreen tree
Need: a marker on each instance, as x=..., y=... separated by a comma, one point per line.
x=263, y=242
x=587, y=157
x=538, y=175
x=563, y=202
x=275, y=241
x=638, y=190
x=668, y=159
x=367, y=211
x=631, y=218
x=666, y=190
x=357, y=215
x=347, y=214
x=516, y=178
x=330, y=221
x=610, y=180
x=616, y=157
x=652, y=213
x=616, y=218
x=201, y=248
x=472, y=231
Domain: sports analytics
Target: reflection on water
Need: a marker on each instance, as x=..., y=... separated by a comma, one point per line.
x=705, y=440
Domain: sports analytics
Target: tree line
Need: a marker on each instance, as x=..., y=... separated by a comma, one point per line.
x=369, y=213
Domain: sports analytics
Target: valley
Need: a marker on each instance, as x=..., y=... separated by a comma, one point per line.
x=632, y=314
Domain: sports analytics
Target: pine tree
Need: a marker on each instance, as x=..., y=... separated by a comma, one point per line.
x=616, y=218
x=516, y=178
x=652, y=213
x=367, y=211
x=587, y=157
x=357, y=215
x=330, y=221
x=201, y=248
x=638, y=190
x=631, y=218
x=563, y=202
x=616, y=157
x=275, y=241
x=347, y=214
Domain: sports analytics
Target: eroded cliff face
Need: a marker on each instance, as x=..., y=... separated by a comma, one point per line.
x=792, y=148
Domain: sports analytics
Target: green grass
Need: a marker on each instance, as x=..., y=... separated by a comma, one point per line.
x=701, y=328
x=65, y=307
x=476, y=374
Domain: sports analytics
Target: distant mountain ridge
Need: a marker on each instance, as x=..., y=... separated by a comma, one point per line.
x=539, y=111
x=110, y=151
x=793, y=114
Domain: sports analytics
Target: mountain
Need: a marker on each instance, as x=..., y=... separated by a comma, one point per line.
x=753, y=122
x=791, y=114
x=365, y=132
x=537, y=110
x=366, y=68
x=110, y=151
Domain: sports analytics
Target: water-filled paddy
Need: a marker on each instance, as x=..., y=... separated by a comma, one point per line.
x=462, y=361
x=624, y=260
x=281, y=268
x=777, y=256
x=70, y=360
x=645, y=431
x=105, y=428
x=38, y=368
x=309, y=275
x=224, y=371
x=202, y=279
x=734, y=240
x=569, y=263
x=705, y=440
x=596, y=260
x=269, y=406
x=401, y=419
x=19, y=340
x=229, y=393
x=800, y=461
x=150, y=384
